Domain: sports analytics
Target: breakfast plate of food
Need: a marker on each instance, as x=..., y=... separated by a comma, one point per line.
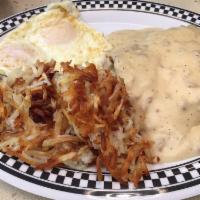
x=101, y=99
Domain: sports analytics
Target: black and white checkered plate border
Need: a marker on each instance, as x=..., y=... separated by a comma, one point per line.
x=170, y=179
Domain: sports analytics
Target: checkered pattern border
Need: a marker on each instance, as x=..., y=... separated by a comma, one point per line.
x=162, y=178
x=83, y=179
x=13, y=22
x=141, y=6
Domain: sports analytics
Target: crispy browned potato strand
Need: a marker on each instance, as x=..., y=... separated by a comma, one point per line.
x=76, y=117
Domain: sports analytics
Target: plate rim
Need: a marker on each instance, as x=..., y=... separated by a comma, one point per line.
x=156, y=3
x=148, y=12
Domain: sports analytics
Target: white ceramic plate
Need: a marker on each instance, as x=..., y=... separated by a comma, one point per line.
x=173, y=180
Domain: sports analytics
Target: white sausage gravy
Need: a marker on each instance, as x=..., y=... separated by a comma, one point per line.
x=161, y=70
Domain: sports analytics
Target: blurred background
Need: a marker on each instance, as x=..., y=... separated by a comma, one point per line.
x=10, y=7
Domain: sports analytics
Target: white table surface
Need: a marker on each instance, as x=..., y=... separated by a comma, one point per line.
x=10, y=7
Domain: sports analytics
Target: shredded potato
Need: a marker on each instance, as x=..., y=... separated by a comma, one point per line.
x=77, y=116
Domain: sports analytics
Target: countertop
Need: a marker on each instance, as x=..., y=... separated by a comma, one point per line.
x=10, y=7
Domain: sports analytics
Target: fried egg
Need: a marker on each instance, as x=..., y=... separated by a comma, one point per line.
x=56, y=34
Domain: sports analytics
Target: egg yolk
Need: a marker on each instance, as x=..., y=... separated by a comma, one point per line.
x=13, y=53
x=61, y=33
